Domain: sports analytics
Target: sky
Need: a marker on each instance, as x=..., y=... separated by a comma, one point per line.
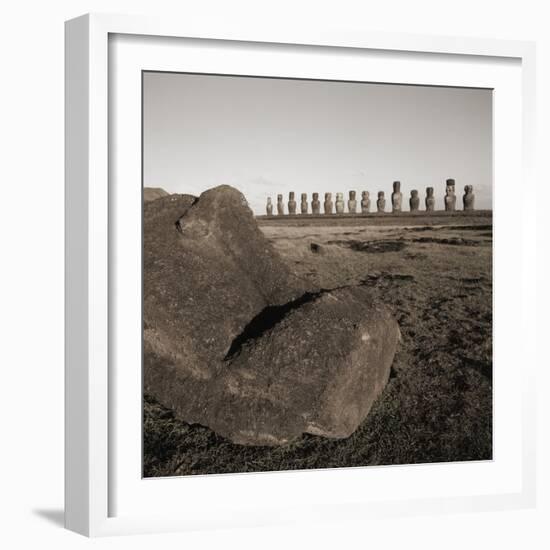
x=268, y=136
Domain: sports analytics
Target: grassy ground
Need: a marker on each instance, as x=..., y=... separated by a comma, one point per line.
x=437, y=406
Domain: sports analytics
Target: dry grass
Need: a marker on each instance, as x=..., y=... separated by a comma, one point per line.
x=437, y=406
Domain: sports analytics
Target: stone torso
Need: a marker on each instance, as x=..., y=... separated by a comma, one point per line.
x=328, y=203
x=396, y=197
x=291, y=203
x=365, y=202
x=469, y=198
x=430, y=200
x=414, y=201
x=316, y=204
x=352, y=203
x=280, y=205
x=450, y=197
x=303, y=204
x=381, y=202
x=339, y=203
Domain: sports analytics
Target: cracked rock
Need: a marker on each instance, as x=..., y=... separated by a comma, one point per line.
x=233, y=340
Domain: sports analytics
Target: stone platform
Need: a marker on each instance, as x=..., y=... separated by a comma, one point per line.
x=439, y=217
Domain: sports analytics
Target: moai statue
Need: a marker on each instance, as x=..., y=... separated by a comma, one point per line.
x=396, y=197
x=469, y=197
x=450, y=197
x=291, y=203
x=430, y=200
x=280, y=205
x=365, y=202
x=381, y=202
x=303, y=204
x=352, y=203
x=328, y=203
x=269, y=207
x=315, y=204
x=414, y=201
x=340, y=203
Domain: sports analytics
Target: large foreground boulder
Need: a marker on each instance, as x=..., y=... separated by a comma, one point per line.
x=234, y=341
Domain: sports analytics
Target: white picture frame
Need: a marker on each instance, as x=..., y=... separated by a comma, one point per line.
x=95, y=403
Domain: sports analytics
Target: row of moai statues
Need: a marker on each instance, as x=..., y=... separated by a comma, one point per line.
x=396, y=201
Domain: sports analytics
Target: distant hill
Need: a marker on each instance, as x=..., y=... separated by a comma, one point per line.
x=153, y=193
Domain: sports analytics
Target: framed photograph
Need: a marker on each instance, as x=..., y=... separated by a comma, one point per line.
x=294, y=289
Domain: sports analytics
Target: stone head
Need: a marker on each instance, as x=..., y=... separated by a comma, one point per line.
x=315, y=196
x=291, y=196
x=414, y=193
x=429, y=191
x=365, y=194
x=304, y=196
x=352, y=195
x=380, y=194
x=279, y=198
x=396, y=186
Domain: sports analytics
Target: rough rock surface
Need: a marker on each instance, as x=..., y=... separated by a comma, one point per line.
x=153, y=193
x=234, y=341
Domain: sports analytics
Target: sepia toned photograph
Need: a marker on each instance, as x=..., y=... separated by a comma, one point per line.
x=317, y=274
